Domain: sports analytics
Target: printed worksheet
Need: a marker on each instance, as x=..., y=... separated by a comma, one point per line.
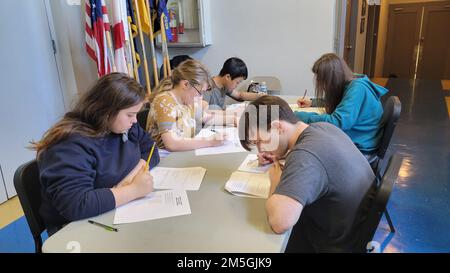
x=156, y=205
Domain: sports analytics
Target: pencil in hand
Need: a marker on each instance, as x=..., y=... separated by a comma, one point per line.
x=149, y=157
x=304, y=95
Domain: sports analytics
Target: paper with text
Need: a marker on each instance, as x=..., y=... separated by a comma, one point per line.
x=255, y=185
x=318, y=110
x=251, y=165
x=156, y=205
x=188, y=179
x=231, y=143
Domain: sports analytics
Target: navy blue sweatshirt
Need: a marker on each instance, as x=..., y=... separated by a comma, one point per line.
x=77, y=174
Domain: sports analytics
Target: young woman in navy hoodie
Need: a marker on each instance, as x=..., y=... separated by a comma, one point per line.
x=92, y=160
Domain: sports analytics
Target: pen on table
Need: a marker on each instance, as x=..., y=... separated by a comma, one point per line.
x=149, y=157
x=103, y=226
x=304, y=95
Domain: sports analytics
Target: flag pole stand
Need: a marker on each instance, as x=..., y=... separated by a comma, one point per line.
x=152, y=45
x=141, y=36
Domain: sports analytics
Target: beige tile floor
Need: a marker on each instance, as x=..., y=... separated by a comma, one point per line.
x=10, y=211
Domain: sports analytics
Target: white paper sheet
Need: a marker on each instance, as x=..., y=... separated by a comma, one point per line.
x=231, y=143
x=178, y=178
x=163, y=153
x=255, y=185
x=317, y=110
x=251, y=165
x=156, y=205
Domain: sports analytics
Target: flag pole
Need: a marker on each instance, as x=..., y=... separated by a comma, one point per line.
x=167, y=69
x=111, y=50
x=152, y=45
x=133, y=51
x=141, y=36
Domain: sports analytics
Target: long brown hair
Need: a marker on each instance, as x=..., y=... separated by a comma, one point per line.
x=332, y=75
x=95, y=110
x=191, y=70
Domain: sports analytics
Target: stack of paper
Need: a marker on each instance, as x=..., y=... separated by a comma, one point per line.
x=156, y=205
x=231, y=143
x=178, y=178
x=244, y=184
x=318, y=110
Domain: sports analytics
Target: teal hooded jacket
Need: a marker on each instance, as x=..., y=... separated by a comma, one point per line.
x=358, y=114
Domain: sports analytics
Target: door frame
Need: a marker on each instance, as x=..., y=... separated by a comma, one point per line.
x=373, y=23
x=351, y=27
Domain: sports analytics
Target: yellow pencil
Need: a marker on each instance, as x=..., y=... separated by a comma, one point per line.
x=150, y=156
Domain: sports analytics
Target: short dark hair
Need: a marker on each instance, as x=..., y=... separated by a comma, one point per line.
x=177, y=60
x=285, y=114
x=174, y=63
x=235, y=67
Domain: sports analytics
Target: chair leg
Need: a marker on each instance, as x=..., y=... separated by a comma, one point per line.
x=38, y=244
x=388, y=218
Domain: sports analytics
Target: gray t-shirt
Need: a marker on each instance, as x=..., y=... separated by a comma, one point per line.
x=216, y=97
x=329, y=176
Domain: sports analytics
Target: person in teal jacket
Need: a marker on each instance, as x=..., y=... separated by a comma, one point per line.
x=352, y=102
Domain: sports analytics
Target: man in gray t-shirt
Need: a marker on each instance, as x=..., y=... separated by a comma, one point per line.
x=233, y=72
x=320, y=189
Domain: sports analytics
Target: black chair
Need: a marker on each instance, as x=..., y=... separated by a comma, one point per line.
x=142, y=118
x=391, y=114
x=378, y=204
x=28, y=187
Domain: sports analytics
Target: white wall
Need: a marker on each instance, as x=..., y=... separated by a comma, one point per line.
x=31, y=99
x=281, y=39
x=77, y=69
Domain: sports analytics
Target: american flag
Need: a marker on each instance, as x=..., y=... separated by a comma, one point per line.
x=97, y=23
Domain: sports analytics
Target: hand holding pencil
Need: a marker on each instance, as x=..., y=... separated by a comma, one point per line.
x=142, y=183
x=303, y=102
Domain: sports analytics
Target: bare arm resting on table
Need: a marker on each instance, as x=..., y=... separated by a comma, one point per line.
x=283, y=212
x=245, y=95
x=175, y=143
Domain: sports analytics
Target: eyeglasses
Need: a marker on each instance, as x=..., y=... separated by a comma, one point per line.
x=198, y=91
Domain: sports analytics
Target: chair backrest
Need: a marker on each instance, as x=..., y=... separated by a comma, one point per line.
x=273, y=83
x=391, y=114
x=142, y=118
x=28, y=187
x=378, y=204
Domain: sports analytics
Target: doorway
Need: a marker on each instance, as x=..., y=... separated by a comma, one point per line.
x=418, y=44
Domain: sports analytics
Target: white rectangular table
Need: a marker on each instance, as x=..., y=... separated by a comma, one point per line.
x=220, y=222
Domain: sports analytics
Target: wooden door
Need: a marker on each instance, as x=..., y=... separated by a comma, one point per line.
x=373, y=19
x=350, y=32
x=434, y=61
x=403, y=34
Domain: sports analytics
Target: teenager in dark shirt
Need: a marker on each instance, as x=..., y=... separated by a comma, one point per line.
x=92, y=160
x=319, y=191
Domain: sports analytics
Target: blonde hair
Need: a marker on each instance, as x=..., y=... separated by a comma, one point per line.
x=190, y=70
